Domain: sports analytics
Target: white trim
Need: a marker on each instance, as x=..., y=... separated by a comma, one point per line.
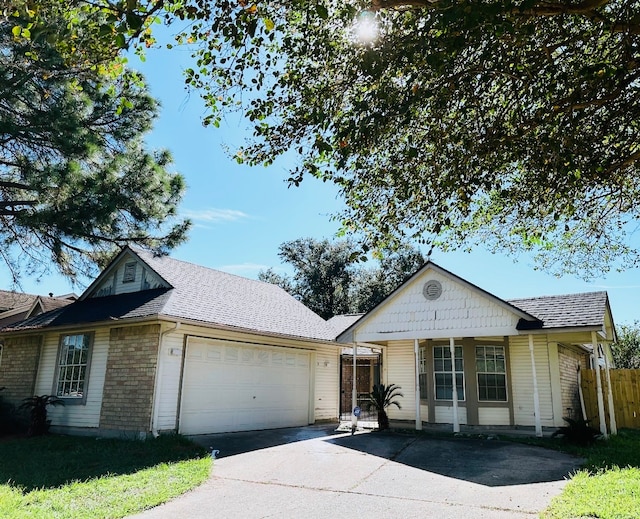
x=437, y=334
x=536, y=395
x=596, y=362
x=612, y=413
x=454, y=395
x=416, y=351
x=354, y=387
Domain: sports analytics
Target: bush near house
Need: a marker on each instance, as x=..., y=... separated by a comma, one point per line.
x=11, y=421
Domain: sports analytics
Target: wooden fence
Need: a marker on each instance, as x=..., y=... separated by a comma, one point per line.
x=625, y=385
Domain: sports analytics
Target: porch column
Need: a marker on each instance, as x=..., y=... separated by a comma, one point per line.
x=536, y=396
x=454, y=395
x=596, y=361
x=416, y=351
x=354, y=389
x=613, y=426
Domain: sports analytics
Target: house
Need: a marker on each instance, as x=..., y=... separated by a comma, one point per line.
x=515, y=363
x=160, y=345
x=155, y=344
x=16, y=306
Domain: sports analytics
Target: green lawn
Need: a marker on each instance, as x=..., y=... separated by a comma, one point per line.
x=608, y=487
x=65, y=476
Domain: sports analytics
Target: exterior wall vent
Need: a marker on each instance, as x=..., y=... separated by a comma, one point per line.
x=432, y=290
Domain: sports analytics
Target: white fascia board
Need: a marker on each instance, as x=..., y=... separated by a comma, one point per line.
x=436, y=334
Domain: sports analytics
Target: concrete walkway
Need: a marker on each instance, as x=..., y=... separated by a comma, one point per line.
x=314, y=472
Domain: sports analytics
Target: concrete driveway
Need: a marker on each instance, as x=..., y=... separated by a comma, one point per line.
x=314, y=472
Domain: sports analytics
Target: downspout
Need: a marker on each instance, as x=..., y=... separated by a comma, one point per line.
x=416, y=351
x=596, y=361
x=454, y=395
x=156, y=389
x=613, y=426
x=581, y=395
x=536, y=395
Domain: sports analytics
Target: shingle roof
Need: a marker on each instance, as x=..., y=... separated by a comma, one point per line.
x=341, y=322
x=566, y=311
x=10, y=300
x=199, y=294
x=212, y=296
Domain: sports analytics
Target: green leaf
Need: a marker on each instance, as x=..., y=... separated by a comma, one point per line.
x=16, y=31
x=120, y=41
x=269, y=24
x=322, y=11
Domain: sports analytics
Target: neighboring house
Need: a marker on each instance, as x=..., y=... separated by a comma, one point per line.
x=16, y=306
x=156, y=344
x=515, y=362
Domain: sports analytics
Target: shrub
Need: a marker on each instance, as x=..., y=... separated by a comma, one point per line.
x=37, y=408
x=577, y=432
x=10, y=419
x=382, y=397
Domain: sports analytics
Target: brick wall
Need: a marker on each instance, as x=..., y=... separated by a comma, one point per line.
x=19, y=367
x=130, y=378
x=569, y=361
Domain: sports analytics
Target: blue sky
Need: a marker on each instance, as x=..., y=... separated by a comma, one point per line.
x=242, y=214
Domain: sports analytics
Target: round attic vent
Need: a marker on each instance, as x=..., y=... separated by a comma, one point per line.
x=432, y=290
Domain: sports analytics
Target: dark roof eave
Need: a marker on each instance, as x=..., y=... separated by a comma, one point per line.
x=166, y=318
x=218, y=326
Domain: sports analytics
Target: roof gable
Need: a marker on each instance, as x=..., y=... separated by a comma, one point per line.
x=436, y=303
x=127, y=273
x=185, y=291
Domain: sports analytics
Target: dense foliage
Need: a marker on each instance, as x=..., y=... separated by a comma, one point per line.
x=514, y=123
x=76, y=178
x=626, y=350
x=330, y=279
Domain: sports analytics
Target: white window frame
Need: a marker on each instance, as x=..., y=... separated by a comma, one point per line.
x=485, y=366
x=462, y=390
x=129, y=274
x=76, y=371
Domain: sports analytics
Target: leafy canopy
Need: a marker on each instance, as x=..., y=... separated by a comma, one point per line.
x=329, y=278
x=76, y=179
x=626, y=350
x=513, y=123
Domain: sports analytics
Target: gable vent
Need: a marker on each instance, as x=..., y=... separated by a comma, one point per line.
x=432, y=290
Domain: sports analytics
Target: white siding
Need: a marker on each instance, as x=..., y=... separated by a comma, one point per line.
x=168, y=385
x=459, y=312
x=493, y=416
x=445, y=414
x=113, y=283
x=87, y=415
x=399, y=367
x=326, y=372
x=327, y=384
x=522, y=380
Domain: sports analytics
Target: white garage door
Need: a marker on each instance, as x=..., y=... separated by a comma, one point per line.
x=241, y=387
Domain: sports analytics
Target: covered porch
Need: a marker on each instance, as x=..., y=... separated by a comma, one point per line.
x=466, y=359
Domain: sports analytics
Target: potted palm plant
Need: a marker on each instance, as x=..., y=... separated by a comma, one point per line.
x=381, y=398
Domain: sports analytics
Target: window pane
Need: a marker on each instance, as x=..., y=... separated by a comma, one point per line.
x=72, y=371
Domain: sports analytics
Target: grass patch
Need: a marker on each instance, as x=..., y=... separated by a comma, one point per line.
x=608, y=487
x=64, y=476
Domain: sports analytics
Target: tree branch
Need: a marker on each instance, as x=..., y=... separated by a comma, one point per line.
x=14, y=185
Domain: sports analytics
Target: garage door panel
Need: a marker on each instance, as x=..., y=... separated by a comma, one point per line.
x=231, y=387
